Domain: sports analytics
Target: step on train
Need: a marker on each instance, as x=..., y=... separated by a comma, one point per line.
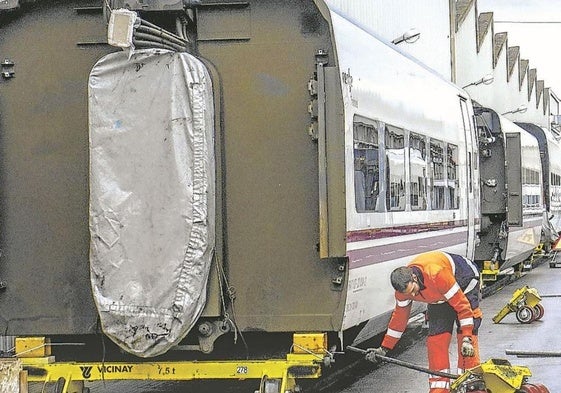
x=222, y=192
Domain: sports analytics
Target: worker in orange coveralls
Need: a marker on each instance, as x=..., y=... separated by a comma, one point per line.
x=449, y=283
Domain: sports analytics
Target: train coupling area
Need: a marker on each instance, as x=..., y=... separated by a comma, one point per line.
x=525, y=302
x=305, y=361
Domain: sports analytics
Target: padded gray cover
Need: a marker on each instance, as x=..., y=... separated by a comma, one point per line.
x=151, y=196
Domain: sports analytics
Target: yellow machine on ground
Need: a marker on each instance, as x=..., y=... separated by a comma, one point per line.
x=495, y=375
x=525, y=302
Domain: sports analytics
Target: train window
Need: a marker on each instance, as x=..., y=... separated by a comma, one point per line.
x=555, y=179
x=394, y=139
x=437, y=177
x=418, y=171
x=530, y=176
x=452, y=176
x=444, y=183
x=366, y=165
x=555, y=188
x=530, y=189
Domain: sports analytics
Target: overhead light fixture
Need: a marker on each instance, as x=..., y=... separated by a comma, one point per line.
x=409, y=36
x=520, y=109
x=486, y=80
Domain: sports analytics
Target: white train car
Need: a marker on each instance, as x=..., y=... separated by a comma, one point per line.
x=410, y=167
x=313, y=193
x=550, y=150
x=525, y=237
x=395, y=174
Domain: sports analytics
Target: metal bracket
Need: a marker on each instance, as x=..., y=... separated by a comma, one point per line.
x=322, y=57
x=339, y=272
x=7, y=69
x=209, y=331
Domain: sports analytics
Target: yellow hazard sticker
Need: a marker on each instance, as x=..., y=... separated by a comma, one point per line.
x=527, y=237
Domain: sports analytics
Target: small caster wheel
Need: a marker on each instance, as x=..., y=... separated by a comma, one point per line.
x=538, y=311
x=525, y=314
x=533, y=388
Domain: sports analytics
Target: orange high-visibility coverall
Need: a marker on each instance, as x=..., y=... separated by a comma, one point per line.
x=450, y=284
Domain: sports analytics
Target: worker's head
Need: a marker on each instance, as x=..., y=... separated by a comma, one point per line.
x=405, y=281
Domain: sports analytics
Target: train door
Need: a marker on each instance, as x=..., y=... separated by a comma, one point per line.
x=472, y=177
x=514, y=179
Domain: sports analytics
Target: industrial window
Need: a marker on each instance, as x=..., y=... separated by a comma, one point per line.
x=366, y=165
x=395, y=165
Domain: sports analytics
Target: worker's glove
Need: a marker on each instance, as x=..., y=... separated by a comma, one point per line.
x=372, y=354
x=467, y=347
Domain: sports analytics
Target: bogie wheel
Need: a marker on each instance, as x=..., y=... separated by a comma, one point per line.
x=533, y=388
x=525, y=314
x=59, y=385
x=270, y=385
x=538, y=311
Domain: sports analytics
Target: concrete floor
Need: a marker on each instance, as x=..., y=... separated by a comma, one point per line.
x=495, y=339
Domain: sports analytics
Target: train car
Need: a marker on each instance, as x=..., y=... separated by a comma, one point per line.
x=309, y=238
x=551, y=172
x=511, y=196
x=233, y=178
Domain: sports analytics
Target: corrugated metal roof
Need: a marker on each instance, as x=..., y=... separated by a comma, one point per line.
x=523, y=71
x=484, y=23
x=500, y=43
x=532, y=75
x=539, y=91
x=513, y=56
x=462, y=10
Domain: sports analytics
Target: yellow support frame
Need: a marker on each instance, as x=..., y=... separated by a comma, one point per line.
x=524, y=296
x=286, y=370
x=490, y=271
